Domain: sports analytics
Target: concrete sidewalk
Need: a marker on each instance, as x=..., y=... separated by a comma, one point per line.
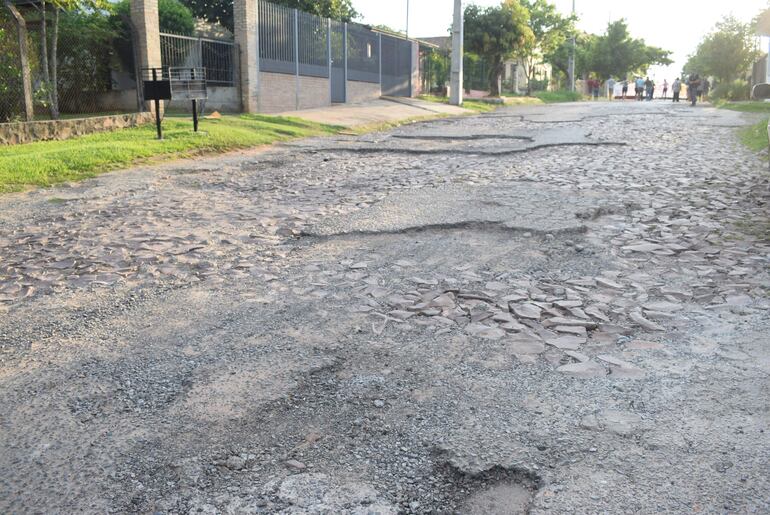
x=383, y=110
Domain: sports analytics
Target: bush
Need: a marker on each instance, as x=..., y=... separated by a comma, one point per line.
x=551, y=97
x=731, y=91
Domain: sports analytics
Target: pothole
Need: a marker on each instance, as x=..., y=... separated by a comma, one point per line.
x=496, y=491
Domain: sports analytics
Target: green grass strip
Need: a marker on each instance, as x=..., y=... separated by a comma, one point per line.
x=46, y=163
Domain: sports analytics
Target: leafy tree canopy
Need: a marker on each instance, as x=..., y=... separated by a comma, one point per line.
x=221, y=11
x=496, y=34
x=726, y=53
x=616, y=54
x=550, y=30
x=173, y=16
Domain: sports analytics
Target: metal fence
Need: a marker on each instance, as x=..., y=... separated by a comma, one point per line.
x=216, y=56
x=79, y=63
x=298, y=43
x=435, y=67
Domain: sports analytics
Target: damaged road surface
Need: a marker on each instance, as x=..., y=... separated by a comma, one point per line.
x=538, y=310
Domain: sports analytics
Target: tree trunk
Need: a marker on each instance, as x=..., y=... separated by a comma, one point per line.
x=44, y=56
x=21, y=29
x=54, y=63
x=495, y=72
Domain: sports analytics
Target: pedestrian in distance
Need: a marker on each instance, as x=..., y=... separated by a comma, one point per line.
x=625, y=89
x=611, y=87
x=704, y=89
x=639, y=89
x=665, y=89
x=649, y=87
x=693, y=85
x=676, y=88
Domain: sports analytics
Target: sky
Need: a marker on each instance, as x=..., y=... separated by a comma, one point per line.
x=675, y=25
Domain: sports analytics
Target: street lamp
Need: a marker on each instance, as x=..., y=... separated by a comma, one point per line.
x=407, y=19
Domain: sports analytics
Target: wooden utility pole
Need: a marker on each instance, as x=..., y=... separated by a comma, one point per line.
x=21, y=30
x=456, y=83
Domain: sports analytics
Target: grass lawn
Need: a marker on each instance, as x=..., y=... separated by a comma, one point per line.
x=754, y=136
x=553, y=97
x=474, y=105
x=44, y=163
x=747, y=107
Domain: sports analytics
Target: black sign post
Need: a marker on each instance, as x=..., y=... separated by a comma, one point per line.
x=176, y=84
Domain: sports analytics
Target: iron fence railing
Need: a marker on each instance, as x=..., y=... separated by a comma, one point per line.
x=216, y=56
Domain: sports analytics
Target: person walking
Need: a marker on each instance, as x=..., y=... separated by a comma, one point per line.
x=693, y=85
x=648, y=88
x=611, y=87
x=639, y=89
x=625, y=89
x=665, y=89
x=676, y=88
x=705, y=86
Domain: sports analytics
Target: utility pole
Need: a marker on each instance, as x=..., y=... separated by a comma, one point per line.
x=571, y=64
x=407, y=19
x=456, y=83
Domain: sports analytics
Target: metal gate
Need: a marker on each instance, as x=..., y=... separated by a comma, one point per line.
x=396, y=67
x=338, y=77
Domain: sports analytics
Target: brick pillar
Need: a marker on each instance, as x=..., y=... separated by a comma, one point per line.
x=246, y=17
x=144, y=15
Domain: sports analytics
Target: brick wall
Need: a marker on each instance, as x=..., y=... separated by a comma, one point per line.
x=314, y=92
x=362, y=91
x=278, y=92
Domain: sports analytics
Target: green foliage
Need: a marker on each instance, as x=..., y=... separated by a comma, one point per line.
x=550, y=30
x=173, y=16
x=221, y=11
x=49, y=162
x=755, y=136
x=752, y=106
x=616, y=54
x=731, y=91
x=553, y=97
x=558, y=58
x=496, y=34
x=727, y=53
x=10, y=71
x=82, y=71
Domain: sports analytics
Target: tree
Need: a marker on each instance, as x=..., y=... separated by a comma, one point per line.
x=558, y=58
x=616, y=54
x=221, y=11
x=496, y=34
x=21, y=30
x=550, y=30
x=727, y=53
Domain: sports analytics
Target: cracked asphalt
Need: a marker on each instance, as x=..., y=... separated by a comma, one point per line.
x=548, y=309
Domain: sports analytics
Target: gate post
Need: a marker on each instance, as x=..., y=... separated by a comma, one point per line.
x=296, y=59
x=345, y=58
x=329, y=57
x=246, y=16
x=144, y=16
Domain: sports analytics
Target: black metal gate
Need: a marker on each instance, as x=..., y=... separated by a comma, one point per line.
x=338, y=77
x=396, y=67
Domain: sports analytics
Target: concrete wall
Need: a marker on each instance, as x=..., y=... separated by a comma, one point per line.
x=362, y=91
x=27, y=132
x=278, y=92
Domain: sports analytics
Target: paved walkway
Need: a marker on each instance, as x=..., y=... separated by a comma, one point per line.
x=549, y=308
x=375, y=112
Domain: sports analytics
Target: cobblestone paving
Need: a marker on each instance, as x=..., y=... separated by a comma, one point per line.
x=549, y=308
